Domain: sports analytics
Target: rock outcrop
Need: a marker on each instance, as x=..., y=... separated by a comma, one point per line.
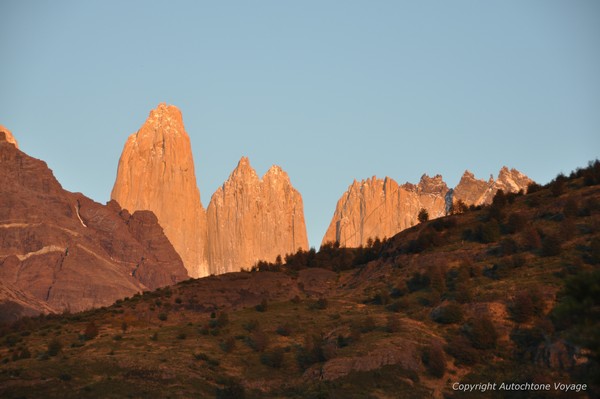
x=8, y=136
x=474, y=191
x=156, y=173
x=252, y=219
x=67, y=251
x=378, y=208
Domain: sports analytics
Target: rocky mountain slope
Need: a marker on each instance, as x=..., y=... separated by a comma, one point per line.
x=378, y=208
x=67, y=251
x=252, y=219
x=503, y=294
x=248, y=219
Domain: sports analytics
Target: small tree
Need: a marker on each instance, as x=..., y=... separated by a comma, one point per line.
x=54, y=347
x=423, y=215
x=482, y=333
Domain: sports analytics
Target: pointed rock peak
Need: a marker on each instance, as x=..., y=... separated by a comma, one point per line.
x=425, y=179
x=275, y=169
x=8, y=136
x=243, y=171
x=274, y=173
x=432, y=184
x=164, y=109
x=468, y=174
x=504, y=170
x=164, y=119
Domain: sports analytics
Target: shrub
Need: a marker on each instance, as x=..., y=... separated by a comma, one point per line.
x=284, y=330
x=91, y=331
x=272, y=358
x=482, y=333
x=516, y=222
x=437, y=278
x=533, y=188
x=228, y=345
x=321, y=303
x=464, y=293
x=488, y=232
x=527, y=341
x=423, y=215
x=508, y=246
x=162, y=316
x=381, y=298
x=461, y=349
x=231, y=390
x=532, y=239
x=258, y=341
x=418, y=282
x=434, y=359
x=448, y=314
x=551, y=245
x=396, y=306
x=311, y=352
x=571, y=208
x=558, y=185
x=251, y=325
x=54, y=347
x=262, y=306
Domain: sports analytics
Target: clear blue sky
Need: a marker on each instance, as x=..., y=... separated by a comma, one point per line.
x=328, y=90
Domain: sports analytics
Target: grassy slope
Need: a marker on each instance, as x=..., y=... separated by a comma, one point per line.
x=356, y=352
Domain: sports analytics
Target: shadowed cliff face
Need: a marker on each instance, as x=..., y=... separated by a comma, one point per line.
x=156, y=173
x=378, y=208
x=69, y=252
x=251, y=219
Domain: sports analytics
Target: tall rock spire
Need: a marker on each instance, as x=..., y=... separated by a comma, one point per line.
x=156, y=173
x=252, y=219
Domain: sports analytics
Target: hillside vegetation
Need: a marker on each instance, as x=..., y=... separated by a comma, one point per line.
x=504, y=293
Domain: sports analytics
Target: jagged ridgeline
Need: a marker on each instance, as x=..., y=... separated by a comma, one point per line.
x=379, y=208
x=505, y=294
x=250, y=219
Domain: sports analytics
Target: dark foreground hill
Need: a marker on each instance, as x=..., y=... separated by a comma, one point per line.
x=506, y=293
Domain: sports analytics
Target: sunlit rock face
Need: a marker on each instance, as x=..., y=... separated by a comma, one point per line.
x=378, y=208
x=248, y=219
x=62, y=251
x=156, y=173
x=251, y=219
